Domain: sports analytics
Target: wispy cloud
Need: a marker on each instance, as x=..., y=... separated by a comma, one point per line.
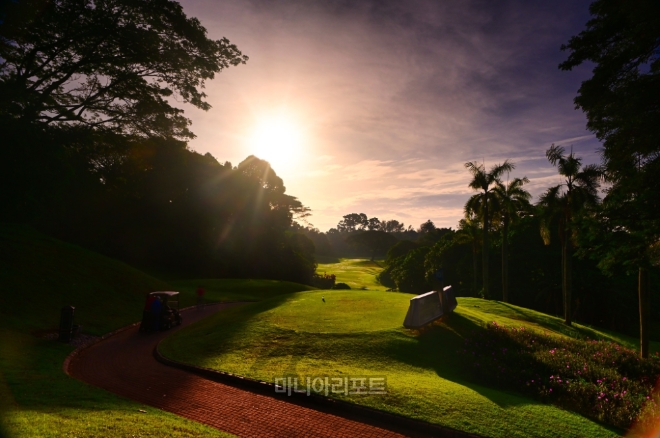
x=396, y=96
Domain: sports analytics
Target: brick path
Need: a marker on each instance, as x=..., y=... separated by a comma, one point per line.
x=124, y=364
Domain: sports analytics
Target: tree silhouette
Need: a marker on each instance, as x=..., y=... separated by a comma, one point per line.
x=512, y=201
x=374, y=224
x=469, y=232
x=106, y=64
x=353, y=222
x=479, y=203
x=377, y=242
x=622, y=104
x=563, y=202
x=392, y=226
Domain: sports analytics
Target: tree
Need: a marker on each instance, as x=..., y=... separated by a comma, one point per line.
x=353, y=222
x=377, y=242
x=106, y=64
x=392, y=226
x=374, y=224
x=482, y=181
x=512, y=201
x=469, y=232
x=622, y=104
x=426, y=227
x=622, y=232
x=622, y=98
x=564, y=201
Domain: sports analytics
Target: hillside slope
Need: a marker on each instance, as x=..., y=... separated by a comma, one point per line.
x=39, y=275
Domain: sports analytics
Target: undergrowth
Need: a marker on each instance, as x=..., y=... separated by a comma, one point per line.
x=598, y=379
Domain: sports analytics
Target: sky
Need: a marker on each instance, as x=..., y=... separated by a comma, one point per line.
x=373, y=106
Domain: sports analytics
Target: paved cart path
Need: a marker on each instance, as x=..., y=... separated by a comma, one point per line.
x=124, y=364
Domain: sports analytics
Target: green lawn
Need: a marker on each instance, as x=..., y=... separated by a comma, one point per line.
x=237, y=290
x=39, y=275
x=357, y=273
x=360, y=333
x=288, y=332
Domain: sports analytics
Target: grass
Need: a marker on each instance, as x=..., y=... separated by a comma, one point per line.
x=38, y=400
x=237, y=290
x=360, y=333
x=39, y=275
x=357, y=273
x=288, y=332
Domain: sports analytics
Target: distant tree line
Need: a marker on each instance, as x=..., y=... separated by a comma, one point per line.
x=93, y=151
x=356, y=235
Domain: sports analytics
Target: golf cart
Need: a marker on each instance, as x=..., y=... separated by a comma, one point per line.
x=161, y=311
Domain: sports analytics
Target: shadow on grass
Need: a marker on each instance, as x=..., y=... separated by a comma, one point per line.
x=556, y=324
x=223, y=331
x=218, y=290
x=437, y=347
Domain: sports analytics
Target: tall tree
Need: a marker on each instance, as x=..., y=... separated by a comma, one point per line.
x=563, y=202
x=513, y=201
x=353, y=222
x=374, y=224
x=623, y=233
x=426, y=227
x=469, y=232
x=106, y=64
x=622, y=104
x=392, y=226
x=482, y=182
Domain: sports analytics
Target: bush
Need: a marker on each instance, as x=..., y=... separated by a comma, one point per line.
x=341, y=286
x=597, y=379
x=325, y=281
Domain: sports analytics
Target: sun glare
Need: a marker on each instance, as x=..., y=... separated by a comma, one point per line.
x=277, y=141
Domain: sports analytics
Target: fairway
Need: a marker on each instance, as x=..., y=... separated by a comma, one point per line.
x=342, y=312
x=357, y=273
x=360, y=333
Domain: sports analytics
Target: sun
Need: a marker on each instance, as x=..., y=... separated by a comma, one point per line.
x=278, y=141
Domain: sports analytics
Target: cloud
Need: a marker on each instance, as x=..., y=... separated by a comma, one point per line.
x=395, y=96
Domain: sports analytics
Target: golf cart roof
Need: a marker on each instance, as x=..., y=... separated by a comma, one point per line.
x=168, y=293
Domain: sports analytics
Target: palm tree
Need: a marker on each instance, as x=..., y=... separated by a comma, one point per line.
x=479, y=203
x=578, y=189
x=513, y=201
x=469, y=231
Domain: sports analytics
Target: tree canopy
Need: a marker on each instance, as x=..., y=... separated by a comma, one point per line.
x=482, y=181
x=107, y=64
x=96, y=149
x=622, y=103
x=622, y=98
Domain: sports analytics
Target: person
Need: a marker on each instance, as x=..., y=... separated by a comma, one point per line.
x=323, y=299
x=147, y=320
x=200, y=296
x=156, y=308
x=150, y=299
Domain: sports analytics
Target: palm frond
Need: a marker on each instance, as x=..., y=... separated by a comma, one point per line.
x=555, y=154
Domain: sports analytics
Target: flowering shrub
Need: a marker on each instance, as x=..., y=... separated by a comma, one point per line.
x=597, y=379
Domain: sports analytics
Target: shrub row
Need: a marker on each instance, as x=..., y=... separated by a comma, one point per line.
x=597, y=379
x=325, y=281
